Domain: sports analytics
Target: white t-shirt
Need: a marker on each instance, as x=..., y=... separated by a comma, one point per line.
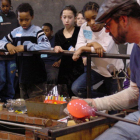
x=86, y=35
x=138, y=1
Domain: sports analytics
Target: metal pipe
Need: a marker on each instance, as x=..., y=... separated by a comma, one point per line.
x=88, y=76
x=88, y=55
x=19, y=125
x=82, y=126
x=115, y=117
x=105, y=55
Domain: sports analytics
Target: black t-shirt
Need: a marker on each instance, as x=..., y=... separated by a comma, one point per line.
x=69, y=70
x=65, y=43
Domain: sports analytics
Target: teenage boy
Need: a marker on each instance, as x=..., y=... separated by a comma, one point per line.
x=28, y=37
x=52, y=62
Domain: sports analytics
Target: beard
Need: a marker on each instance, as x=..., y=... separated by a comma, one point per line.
x=121, y=37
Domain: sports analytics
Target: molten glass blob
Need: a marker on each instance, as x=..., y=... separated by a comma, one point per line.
x=79, y=108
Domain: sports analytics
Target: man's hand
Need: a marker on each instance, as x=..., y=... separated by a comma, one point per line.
x=89, y=101
x=97, y=47
x=11, y=48
x=77, y=120
x=57, y=64
x=77, y=54
x=58, y=49
x=20, y=48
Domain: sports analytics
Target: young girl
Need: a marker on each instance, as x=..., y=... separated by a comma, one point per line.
x=80, y=19
x=8, y=21
x=93, y=38
x=65, y=39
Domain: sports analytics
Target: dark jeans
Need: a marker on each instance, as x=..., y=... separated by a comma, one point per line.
x=80, y=90
x=32, y=90
x=7, y=76
x=52, y=74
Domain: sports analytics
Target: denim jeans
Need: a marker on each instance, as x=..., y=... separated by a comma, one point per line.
x=80, y=90
x=123, y=130
x=7, y=76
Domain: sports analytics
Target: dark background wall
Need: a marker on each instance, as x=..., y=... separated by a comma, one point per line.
x=49, y=11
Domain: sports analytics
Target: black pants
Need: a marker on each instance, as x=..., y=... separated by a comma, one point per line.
x=32, y=90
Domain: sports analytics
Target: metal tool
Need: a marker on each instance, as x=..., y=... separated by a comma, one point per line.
x=115, y=117
x=115, y=74
x=19, y=125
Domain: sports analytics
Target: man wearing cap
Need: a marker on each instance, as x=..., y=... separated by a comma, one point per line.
x=122, y=21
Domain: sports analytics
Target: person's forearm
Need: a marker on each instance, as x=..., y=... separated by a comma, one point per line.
x=127, y=98
x=85, y=49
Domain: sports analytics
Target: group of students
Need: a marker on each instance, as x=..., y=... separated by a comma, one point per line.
x=119, y=19
x=35, y=70
x=87, y=38
x=52, y=62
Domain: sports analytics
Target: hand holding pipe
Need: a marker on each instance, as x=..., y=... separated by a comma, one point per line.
x=79, y=109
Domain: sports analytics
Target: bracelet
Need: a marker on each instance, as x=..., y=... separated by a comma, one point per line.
x=92, y=49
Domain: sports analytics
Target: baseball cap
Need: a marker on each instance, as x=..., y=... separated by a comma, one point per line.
x=109, y=7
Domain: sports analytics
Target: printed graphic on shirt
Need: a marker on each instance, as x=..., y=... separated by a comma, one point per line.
x=44, y=39
x=1, y=19
x=87, y=34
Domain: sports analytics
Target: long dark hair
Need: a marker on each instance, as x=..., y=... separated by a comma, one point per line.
x=69, y=7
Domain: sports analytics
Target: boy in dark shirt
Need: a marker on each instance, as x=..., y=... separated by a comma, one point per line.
x=52, y=62
x=27, y=37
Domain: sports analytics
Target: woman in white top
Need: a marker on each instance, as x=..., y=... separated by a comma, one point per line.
x=93, y=38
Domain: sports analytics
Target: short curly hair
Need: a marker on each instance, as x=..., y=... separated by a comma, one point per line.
x=25, y=7
x=49, y=25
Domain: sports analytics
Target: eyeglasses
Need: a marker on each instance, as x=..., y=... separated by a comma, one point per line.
x=107, y=25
